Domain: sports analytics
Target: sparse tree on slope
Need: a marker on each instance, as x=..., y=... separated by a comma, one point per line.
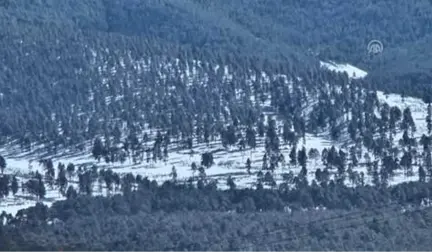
x=429, y=118
x=174, y=174
x=4, y=186
x=70, y=170
x=62, y=180
x=14, y=185
x=98, y=149
x=293, y=156
x=230, y=183
x=421, y=174
x=2, y=164
x=302, y=157
x=71, y=193
x=251, y=137
x=248, y=166
x=207, y=159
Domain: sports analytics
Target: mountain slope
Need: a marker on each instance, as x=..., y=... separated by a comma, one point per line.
x=230, y=161
x=208, y=76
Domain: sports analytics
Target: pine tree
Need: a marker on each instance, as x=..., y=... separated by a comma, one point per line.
x=406, y=162
x=313, y=155
x=41, y=189
x=261, y=128
x=250, y=137
x=4, y=186
x=202, y=174
x=303, y=172
x=395, y=116
x=324, y=156
x=302, y=158
x=265, y=162
x=174, y=174
x=407, y=120
x=421, y=174
x=194, y=167
x=62, y=180
x=98, y=149
x=353, y=157
x=2, y=164
x=207, y=159
x=14, y=185
x=286, y=132
x=70, y=170
x=49, y=173
x=293, y=156
x=429, y=118
x=230, y=183
x=71, y=193
x=428, y=161
x=375, y=174
x=248, y=166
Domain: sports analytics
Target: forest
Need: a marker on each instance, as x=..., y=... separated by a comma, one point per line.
x=184, y=217
x=137, y=80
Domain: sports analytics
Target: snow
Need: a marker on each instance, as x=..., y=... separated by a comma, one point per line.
x=352, y=71
x=227, y=162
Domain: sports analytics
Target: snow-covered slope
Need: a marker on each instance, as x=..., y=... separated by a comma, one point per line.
x=228, y=162
x=352, y=71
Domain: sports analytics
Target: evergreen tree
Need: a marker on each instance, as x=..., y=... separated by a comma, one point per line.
x=202, y=174
x=303, y=173
x=375, y=174
x=14, y=185
x=429, y=118
x=261, y=128
x=265, y=162
x=2, y=164
x=98, y=149
x=71, y=193
x=293, y=156
x=4, y=186
x=407, y=120
x=353, y=157
x=406, y=163
x=207, y=159
x=194, y=167
x=230, y=183
x=70, y=170
x=41, y=189
x=395, y=116
x=174, y=174
x=421, y=174
x=49, y=173
x=62, y=180
x=302, y=158
x=248, y=166
x=313, y=155
x=250, y=137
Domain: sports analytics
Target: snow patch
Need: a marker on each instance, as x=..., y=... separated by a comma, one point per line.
x=352, y=71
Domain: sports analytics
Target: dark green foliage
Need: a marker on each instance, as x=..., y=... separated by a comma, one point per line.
x=54, y=50
x=166, y=217
x=2, y=164
x=58, y=59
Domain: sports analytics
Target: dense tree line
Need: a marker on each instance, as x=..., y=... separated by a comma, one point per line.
x=148, y=218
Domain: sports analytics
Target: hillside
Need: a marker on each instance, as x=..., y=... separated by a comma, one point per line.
x=125, y=109
x=364, y=162
x=47, y=46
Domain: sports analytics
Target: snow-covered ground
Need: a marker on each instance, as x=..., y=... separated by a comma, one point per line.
x=227, y=162
x=352, y=71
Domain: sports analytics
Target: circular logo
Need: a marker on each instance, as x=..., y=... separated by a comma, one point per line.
x=375, y=47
